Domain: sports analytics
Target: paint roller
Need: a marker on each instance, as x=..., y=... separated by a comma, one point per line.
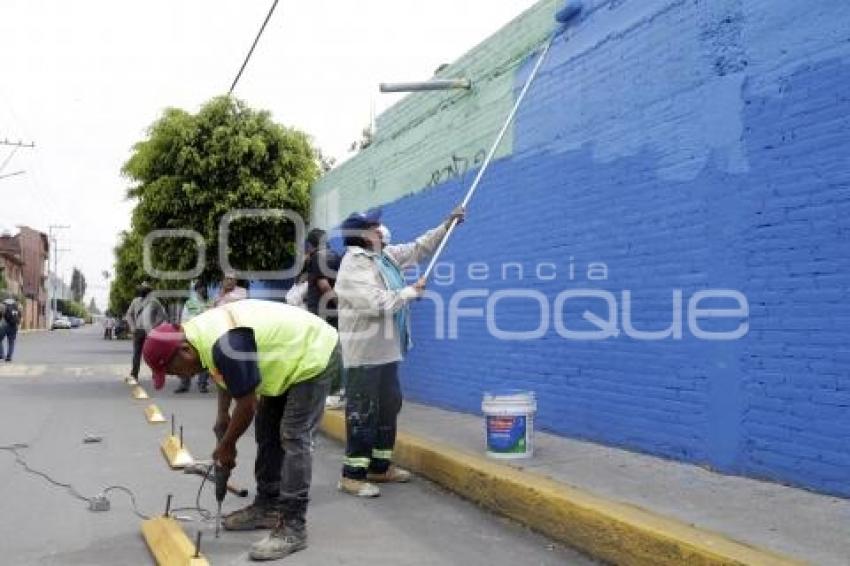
x=563, y=16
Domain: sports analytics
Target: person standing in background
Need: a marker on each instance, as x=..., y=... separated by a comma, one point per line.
x=108, y=326
x=144, y=314
x=321, y=268
x=198, y=302
x=10, y=323
x=130, y=318
x=230, y=291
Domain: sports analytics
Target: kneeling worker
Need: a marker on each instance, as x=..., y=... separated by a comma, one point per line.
x=272, y=359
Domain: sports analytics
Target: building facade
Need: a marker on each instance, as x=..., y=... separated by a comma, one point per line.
x=661, y=248
x=31, y=248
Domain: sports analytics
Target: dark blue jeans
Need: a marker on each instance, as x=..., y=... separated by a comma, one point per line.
x=284, y=427
x=10, y=333
x=138, y=342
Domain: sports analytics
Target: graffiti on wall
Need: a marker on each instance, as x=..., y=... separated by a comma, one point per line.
x=457, y=168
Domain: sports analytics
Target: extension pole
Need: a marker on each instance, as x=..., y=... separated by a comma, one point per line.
x=490, y=154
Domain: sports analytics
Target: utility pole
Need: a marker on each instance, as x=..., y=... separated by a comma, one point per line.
x=18, y=143
x=15, y=147
x=54, y=244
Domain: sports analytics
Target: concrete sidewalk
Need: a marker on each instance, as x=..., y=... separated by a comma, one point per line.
x=622, y=506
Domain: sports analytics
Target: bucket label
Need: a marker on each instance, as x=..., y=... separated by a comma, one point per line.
x=506, y=434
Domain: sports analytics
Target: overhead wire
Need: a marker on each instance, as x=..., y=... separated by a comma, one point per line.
x=253, y=45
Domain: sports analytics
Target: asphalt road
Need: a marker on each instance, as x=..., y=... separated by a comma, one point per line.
x=63, y=385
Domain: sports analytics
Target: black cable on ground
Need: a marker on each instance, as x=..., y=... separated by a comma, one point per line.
x=204, y=514
x=13, y=448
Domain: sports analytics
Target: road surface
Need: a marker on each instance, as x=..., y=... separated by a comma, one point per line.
x=66, y=384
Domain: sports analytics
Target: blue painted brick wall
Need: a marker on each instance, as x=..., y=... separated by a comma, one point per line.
x=687, y=145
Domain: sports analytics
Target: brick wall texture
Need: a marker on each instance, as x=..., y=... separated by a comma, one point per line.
x=666, y=148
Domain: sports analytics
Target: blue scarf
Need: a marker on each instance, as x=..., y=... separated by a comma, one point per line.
x=395, y=281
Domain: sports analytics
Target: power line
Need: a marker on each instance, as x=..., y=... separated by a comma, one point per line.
x=12, y=174
x=253, y=45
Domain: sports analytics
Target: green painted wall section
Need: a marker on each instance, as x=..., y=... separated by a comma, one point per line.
x=430, y=137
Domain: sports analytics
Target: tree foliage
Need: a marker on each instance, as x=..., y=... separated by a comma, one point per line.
x=191, y=170
x=128, y=271
x=72, y=308
x=78, y=285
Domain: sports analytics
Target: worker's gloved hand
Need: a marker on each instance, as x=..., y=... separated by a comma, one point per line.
x=225, y=455
x=420, y=285
x=458, y=213
x=220, y=427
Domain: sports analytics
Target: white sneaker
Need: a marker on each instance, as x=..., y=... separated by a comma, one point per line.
x=393, y=475
x=130, y=380
x=358, y=488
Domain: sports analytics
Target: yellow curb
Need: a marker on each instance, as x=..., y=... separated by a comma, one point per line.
x=175, y=453
x=139, y=392
x=154, y=415
x=169, y=544
x=615, y=532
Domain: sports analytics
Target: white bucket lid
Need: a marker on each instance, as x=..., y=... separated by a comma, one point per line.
x=515, y=396
x=509, y=401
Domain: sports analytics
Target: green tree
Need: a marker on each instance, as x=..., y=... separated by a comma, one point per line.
x=194, y=168
x=78, y=285
x=72, y=308
x=93, y=307
x=128, y=272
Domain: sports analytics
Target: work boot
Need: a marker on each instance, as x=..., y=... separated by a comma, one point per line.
x=335, y=402
x=282, y=541
x=394, y=474
x=254, y=516
x=358, y=488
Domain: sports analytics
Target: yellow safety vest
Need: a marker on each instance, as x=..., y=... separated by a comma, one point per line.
x=293, y=345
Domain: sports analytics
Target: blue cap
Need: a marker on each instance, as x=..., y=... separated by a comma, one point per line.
x=361, y=220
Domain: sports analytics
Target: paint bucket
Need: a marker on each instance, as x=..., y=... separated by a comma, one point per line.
x=509, y=424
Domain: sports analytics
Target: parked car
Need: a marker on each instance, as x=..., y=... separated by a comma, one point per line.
x=76, y=322
x=61, y=323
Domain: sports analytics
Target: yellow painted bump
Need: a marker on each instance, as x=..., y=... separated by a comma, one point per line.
x=139, y=392
x=609, y=530
x=169, y=544
x=176, y=455
x=153, y=414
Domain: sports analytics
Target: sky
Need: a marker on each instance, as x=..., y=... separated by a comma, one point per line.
x=85, y=79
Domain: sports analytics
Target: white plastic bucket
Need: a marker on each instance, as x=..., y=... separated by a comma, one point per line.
x=509, y=424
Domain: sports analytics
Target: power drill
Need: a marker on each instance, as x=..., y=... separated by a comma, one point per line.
x=222, y=476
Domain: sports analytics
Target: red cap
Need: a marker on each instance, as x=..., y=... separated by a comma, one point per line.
x=160, y=346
